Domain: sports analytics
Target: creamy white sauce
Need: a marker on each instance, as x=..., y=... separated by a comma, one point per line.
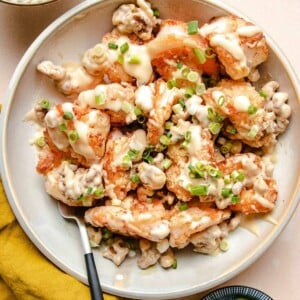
x=220, y=26
x=144, y=98
x=248, y=31
x=160, y=230
x=151, y=176
x=241, y=103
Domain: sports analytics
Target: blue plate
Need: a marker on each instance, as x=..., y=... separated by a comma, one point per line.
x=237, y=292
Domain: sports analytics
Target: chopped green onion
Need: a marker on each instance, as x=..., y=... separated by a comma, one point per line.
x=134, y=59
x=263, y=94
x=124, y=48
x=221, y=100
x=141, y=119
x=214, y=172
x=200, y=55
x=81, y=198
x=135, y=178
x=62, y=127
x=121, y=59
x=181, y=102
x=40, y=141
x=174, y=264
x=199, y=190
x=226, y=148
x=211, y=114
x=166, y=163
x=226, y=192
x=126, y=107
x=252, y=110
x=192, y=27
x=168, y=125
x=253, y=131
x=189, y=92
x=68, y=115
x=235, y=199
x=112, y=46
x=147, y=154
x=188, y=136
x=214, y=127
x=192, y=76
x=179, y=64
x=73, y=136
x=171, y=83
x=200, y=88
x=137, y=111
x=98, y=192
x=182, y=206
x=227, y=179
x=177, y=108
x=164, y=140
x=89, y=190
x=231, y=130
x=100, y=99
x=44, y=103
x=133, y=154
x=126, y=161
x=237, y=176
x=224, y=245
x=185, y=72
x=209, y=53
x=106, y=233
x=155, y=12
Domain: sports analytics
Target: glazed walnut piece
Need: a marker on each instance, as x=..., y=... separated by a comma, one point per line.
x=129, y=18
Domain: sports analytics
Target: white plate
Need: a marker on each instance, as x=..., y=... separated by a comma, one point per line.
x=66, y=39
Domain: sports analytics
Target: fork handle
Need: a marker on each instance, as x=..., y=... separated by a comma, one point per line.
x=95, y=288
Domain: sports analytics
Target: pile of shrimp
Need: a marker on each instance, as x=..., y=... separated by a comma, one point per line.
x=162, y=135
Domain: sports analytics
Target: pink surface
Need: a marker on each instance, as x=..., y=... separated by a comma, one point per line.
x=277, y=272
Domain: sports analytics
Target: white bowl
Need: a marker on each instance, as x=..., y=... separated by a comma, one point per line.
x=27, y=2
x=66, y=39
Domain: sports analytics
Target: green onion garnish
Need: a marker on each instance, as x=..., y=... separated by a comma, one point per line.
x=73, y=136
x=226, y=148
x=89, y=190
x=182, y=206
x=200, y=55
x=141, y=119
x=188, y=136
x=68, y=115
x=226, y=192
x=155, y=12
x=221, y=100
x=213, y=172
x=164, y=140
x=189, y=92
x=235, y=199
x=134, y=59
x=174, y=264
x=253, y=131
x=252, y=110
x=62, y=127
x=214, y=127
x=192, y=76
x=199, y=190
x=168, y=125
x=177, y=108
x=106, y=233
x=112, y=46
x=171, y=83
x=166, y=163
x=124, y=48
x=126, y=107
x=209, y=53
x=126, y=161
x=40, y=141
x=44, y=103
x=98, y=192
x=185, y=72
x=181, y=102
x=179, y=64
x=224, y=246
x=263, y=94
x=137, y=111
x=121, y=59
x=200, y=88
x=133, y=154
x=135, y=178
x=237, y=176
x=227, y=179
x=231, y=130
x=192, y=27
x=100, y=99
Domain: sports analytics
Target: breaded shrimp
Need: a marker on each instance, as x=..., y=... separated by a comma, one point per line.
x=173, y=44
x=240, y=46
x=121, y=152
x=137, y=219
x=117, y=100
x=257, y=191
x=70, y=78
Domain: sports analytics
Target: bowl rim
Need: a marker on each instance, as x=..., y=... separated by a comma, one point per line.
x=8, y=186
x=10, y=2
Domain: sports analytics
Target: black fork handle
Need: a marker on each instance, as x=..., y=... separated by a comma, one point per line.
x=95, y=288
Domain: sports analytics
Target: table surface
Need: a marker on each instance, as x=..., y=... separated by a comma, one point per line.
x=277, y=271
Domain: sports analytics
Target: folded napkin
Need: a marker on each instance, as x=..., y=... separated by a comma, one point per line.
x=25, y=273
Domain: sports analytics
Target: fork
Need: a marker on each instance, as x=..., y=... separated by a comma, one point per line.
x=76, y=214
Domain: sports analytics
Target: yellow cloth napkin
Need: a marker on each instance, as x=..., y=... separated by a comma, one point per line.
x=25, y=273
